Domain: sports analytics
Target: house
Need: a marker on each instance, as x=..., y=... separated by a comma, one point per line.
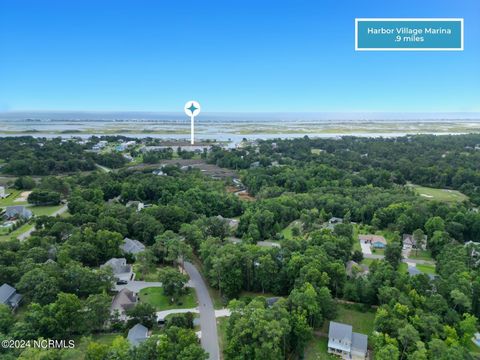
x=137, y=204
x=376, y=241
x=9, y=296
x=232, y=223
x=17, y=212
x=335, y=220
x=271, y=301
x=131, y=246
x=137, y=334
x=121, y=270
x=409, y=242
x=122, y=302
x=342, y=341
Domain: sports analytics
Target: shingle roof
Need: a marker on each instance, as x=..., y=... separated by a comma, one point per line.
x=359, y=342
x=137, y=334
x=131, y=246
x=118, y=265
x=340, y=331
x=6, y=291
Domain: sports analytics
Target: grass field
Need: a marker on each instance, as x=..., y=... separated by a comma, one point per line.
x=155, y=297
x=427, y=269
x=420, y=255
x=361, y=321
x=287, y=232
x=10, y=201
x=151, y=276
x=316, y=349
x=444, y=195
x=222, y=324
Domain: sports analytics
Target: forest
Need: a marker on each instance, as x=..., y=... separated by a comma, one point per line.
x=296, y=185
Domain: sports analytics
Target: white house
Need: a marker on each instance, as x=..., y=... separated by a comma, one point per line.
x=342, y=341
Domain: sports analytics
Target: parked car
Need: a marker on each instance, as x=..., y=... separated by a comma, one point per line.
x=122, y=282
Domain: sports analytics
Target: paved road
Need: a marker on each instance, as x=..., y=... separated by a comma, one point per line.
x=208, y=323
x=27, y=233
x=405, y=260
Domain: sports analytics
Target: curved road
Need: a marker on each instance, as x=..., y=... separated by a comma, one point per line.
x=208, y=323
x=27, y=233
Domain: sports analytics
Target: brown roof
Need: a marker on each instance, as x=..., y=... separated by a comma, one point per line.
x=372, y=238
x=124, y=300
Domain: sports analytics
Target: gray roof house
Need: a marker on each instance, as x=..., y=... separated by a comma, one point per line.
x=9, y=296
x=409, y=242
x=342, y=341
x=132, y=246
x=123, y=301
x=137, y=334
x=121, y=270
x=18, y=211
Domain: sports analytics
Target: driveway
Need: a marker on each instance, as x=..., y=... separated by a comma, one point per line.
x=208, y=323
x=136, y=286
x=366, y=250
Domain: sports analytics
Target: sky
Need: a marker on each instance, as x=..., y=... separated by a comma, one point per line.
x=231, y=56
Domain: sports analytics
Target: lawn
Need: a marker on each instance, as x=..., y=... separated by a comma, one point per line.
x=287, y=232
x=316, y=349
x=444, y=195
x=474, y=349
x=361, y=321
x=15, y=233
x=150, y=276
x=420, y=255
x=248, y=295
x=403, y=267
x=10, y=201
x=222, y=324
x=427, y=269
x=44, y=210
x=155, y=297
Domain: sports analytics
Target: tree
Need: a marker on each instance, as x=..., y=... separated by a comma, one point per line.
x=433, y=224
x=173, y=283
x=393, y=254
x=44, y=198
x=387, y=352
x=419, y=238
x=468, y=327
x=408, y=337
x=97, y=310
x=24, y=183
x=142, y=313
x=145, y=262
x=6, y=319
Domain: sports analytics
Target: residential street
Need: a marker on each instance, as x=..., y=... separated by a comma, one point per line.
x=27, y=233
x=208, y=323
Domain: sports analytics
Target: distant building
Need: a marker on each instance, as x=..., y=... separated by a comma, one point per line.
x=18, y=212
x=271, y=301
x=121, y=270
x=409, y=242
x=131, y=246
x=137, y=334
x=138, y=204
x=376, y=241
x=2, y=192
x=9, y=296
x=233, y=223
x=342, y=341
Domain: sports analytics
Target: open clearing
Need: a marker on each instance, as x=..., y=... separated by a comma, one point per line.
x=155, y=297
x=444, y=195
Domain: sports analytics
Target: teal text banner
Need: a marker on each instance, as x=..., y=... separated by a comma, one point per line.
x=408, y=34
